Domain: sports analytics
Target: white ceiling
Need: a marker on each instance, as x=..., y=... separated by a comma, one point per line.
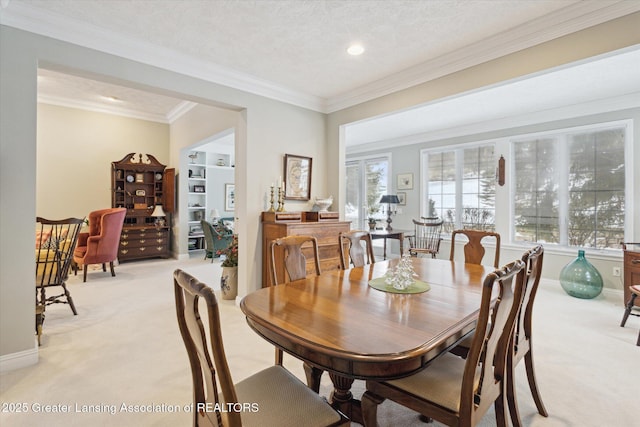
x=295, y=51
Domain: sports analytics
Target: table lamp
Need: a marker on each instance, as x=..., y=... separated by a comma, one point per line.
x=390, y=199
x=215, y=216
x=158, y=214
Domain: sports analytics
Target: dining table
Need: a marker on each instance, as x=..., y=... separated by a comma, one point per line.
x=337, y=322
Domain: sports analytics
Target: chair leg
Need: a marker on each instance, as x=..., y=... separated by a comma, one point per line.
x=113, y=272
x=67, y=294
x=278, y=357
x=500, y=407
x=84, y=272
x=533, y=385
x=369, y=404
x=512, y=398
x=627, y=309
x=313, y=375
x=39, y=321
x=638, y=342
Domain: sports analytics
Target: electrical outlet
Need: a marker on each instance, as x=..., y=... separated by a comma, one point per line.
x=616, y=272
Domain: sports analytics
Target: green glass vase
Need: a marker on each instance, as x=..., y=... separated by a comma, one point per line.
x=580, y=278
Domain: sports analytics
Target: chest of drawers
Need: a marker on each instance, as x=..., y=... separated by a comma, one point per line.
x=140, y=242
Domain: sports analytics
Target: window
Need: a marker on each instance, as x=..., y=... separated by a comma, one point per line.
x=570, y=188
x=367, y=180
x=461, y=187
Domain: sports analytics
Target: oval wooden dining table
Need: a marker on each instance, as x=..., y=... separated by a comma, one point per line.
x=336, y=322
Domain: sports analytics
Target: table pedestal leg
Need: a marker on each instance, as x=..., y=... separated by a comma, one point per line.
x=342, y=399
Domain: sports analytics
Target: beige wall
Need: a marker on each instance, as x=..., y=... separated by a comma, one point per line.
x=75, y=149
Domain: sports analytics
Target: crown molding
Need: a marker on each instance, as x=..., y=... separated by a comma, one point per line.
x=573, y=18
x=600, y=106
x=182, y=109
x=101, y=108
x=28, y=18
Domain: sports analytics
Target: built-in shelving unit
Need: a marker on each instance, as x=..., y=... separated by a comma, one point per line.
x=200, y=164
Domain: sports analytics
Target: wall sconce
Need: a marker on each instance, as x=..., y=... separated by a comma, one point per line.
x=500, y=171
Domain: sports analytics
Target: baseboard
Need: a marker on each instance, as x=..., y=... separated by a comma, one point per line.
x=21, y=359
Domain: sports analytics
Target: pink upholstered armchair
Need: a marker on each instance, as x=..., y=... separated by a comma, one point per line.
x=100, y=244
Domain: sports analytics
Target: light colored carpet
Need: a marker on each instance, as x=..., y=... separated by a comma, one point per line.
x=124, y=348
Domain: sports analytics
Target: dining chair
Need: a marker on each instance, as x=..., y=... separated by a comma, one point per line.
x=271, y=397
x=354, y=240
x=293, y=260
x=100, y=244
x=521, y=347
x=294, y=263
x=456, y=391
x=635, y=291
x=474, y=250
x=426, y=237
x=54, y=246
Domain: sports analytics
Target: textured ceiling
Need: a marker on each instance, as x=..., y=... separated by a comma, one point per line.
x=302, y=44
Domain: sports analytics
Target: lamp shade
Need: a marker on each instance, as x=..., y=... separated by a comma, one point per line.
x=215, y=213
x=158, y=211
x=389, y=198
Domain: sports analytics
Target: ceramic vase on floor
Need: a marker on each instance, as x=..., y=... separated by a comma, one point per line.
x=580, y=278
x=229, y=282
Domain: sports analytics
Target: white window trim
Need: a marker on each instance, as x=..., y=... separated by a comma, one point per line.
x=560, y=133
x=389, y=157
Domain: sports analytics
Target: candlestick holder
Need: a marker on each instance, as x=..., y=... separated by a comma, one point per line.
x=272, y=204
x=280, y=200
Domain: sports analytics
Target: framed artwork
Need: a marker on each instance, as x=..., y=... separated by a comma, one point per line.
x=297, y=177
x=198, y=189
x=229, y=197
x=405, y=181
x=139, y=177
x=403, y=198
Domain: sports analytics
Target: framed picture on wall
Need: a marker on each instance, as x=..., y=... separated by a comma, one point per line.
x=198, y=189
x=229, y=197
x=297, y=177
x=405, y=181
x=403, y=198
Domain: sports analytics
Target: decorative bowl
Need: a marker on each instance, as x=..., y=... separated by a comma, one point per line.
x=323, y=204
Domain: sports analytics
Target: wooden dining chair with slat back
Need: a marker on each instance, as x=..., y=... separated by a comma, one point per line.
x=455, y=391
x=474, y=251
x=426, y=237
x=522, y=341
x=276, y=396
x=357, y=255
x=292, y=262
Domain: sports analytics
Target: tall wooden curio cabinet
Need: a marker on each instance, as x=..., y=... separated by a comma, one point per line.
x=140, y=183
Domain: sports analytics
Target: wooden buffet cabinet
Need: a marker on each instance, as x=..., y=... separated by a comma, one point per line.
x=631, y=269
x=324, y=226
x=139, y=183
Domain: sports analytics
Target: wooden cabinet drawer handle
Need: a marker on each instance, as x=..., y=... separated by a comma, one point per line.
x=635, y=261
x=124, y=243
x=125, y=236
x=142, y=249
x=159, y=240
x=124, y=251
x=142, y=241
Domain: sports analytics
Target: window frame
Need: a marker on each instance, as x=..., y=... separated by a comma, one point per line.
x=361, y=160
x=562, y=135
x=458, y=150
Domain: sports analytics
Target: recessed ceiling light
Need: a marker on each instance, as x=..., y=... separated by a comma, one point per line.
x=355, y=50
